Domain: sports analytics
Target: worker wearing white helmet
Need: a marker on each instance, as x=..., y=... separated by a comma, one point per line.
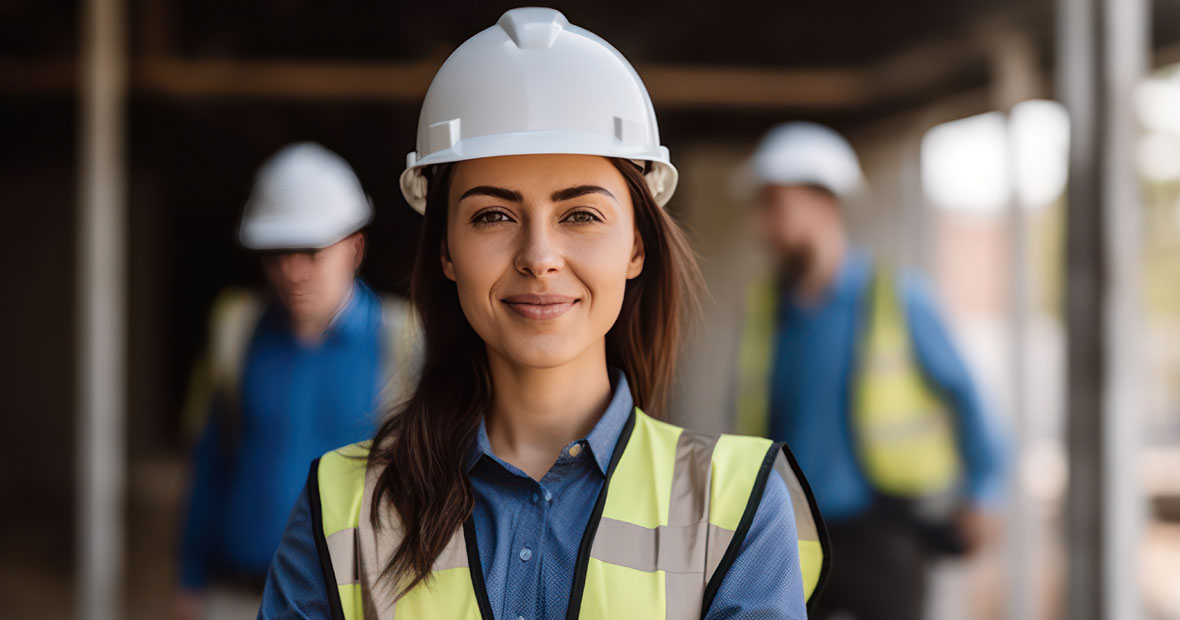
x=523, y=478
x=850, y=362
x=285, y=379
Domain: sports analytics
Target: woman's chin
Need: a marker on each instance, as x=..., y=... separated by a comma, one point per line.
x=540, y=352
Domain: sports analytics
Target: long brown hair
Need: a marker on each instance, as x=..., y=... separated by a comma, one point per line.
x=421, y=448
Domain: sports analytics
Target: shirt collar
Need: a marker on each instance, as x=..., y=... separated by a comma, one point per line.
x=353, y=317
x=602, y=438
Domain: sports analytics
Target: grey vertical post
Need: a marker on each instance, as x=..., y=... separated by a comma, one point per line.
x=1077, y=73
x=100, y=312
x=1101, y=58
x=1126, y=52
x=1015, y=78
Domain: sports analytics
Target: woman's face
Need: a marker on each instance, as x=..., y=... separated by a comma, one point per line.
x=540, y=248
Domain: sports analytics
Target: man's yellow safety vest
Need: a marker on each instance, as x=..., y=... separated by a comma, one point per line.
x=233, y=319
x=904, y=433
x=664, y=531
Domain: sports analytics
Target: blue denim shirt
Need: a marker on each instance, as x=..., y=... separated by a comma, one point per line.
x=813, y=365
x=528, y=533
x=295, y=403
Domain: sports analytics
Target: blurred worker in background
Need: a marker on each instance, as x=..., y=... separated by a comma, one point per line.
x=851, y=363
x=287, y=379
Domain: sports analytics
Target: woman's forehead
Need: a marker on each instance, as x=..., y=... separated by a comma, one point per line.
x=538, y=174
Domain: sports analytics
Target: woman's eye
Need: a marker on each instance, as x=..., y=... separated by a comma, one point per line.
x=490, y=217
x=582, y=217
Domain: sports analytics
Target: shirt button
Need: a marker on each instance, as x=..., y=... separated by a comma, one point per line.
x=520, y=618
x=525, y=554
x=548, y=496
x=575, y=449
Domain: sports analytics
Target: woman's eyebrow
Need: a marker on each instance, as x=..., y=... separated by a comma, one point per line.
x=580, y=190
x=494, y=192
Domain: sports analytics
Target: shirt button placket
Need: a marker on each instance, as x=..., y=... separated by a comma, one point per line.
x=522, y=574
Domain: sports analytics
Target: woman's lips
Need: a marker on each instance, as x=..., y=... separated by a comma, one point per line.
x=540, y=307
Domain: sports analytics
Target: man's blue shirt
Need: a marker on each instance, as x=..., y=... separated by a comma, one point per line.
x=528, y=534
x=296, y=401
x=815, y=348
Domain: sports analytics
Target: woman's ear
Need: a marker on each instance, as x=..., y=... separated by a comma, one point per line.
x=637, y=255
x=359, y=249
x=448, y=267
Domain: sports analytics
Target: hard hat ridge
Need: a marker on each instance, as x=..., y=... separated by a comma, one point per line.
x=533, y=27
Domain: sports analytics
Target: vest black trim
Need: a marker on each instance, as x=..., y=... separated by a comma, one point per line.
x=574, y=609
x=475, y=567
x=321, y=544
x=821, y=529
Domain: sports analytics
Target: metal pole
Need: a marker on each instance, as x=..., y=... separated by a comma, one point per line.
x=1102, y=52
x=100, y=312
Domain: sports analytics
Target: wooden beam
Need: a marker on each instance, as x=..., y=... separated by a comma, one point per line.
x=286, y=79
x=669, y=85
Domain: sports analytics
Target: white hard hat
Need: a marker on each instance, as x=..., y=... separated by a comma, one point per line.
x=305, y=196
x=535, y=84
x=800, y=153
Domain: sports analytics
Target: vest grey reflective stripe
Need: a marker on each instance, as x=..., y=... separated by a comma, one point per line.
x=342, y=551
x=682, y=548
x=931, y=421
x=671, y=548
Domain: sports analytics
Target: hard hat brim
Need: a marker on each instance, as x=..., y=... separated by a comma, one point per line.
x=662, y=179
x=268, y=235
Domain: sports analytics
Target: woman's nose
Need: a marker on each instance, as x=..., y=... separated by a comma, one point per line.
x=540, y=251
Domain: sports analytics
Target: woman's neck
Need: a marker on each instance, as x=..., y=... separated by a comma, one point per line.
x=536, y=412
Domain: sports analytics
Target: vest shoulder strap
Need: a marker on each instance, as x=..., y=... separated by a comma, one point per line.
x=700, y=491
x=231, y=326
x=218, y=375
x=756, y=348
x=400, y=351
x=905, y=434
x=741, y=469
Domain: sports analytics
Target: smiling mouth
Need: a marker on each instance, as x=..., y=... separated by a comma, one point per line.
x=540, y=307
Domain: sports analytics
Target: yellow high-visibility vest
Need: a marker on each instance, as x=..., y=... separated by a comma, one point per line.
x=667, y=526
x=904, y=433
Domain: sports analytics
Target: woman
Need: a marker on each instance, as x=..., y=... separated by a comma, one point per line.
x=522, y=479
